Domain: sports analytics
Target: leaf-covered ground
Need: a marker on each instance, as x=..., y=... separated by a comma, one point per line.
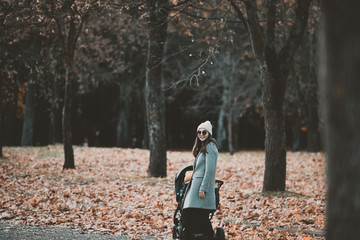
x=109, y=192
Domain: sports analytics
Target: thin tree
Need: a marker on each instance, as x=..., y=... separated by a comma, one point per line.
x=340, y=85
x=69, y=21
x=275, y=66
x=155, y=101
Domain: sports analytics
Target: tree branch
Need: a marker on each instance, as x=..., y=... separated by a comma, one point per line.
x=239, y=14
x=255, y=31
x=83, y=19
x=296, y=33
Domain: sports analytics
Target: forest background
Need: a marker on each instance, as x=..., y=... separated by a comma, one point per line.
x=144, y=74
x=208, y=70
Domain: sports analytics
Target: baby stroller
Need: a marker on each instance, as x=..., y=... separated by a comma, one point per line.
x=180, y=191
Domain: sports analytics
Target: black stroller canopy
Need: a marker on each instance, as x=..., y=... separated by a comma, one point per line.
x=181, y=173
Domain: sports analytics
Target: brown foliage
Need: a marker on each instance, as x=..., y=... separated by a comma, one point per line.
x=110, y=192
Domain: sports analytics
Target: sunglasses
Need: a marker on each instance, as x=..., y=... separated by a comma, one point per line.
x=203, y=132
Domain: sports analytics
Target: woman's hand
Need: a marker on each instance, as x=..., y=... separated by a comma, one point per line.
x=201, y=194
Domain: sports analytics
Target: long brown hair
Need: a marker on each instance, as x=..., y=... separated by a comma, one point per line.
x=200, y=146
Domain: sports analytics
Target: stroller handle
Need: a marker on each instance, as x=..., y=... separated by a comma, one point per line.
x=218, y=183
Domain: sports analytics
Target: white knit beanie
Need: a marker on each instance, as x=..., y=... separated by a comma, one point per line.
x=207, y=126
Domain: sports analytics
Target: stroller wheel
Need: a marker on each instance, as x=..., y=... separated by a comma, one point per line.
x=220, y=234
x=174, y=234
x=178, y=232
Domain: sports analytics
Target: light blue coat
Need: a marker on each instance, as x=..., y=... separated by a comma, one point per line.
x=203, y=180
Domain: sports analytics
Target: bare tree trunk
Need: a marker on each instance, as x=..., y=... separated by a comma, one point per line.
x=273, y=90
x=145, y=140
x=123, y=124
x=312, y=102
x=10, y=112
x=312, y=122
x=221, y=131
x=304, y=88
x=275, y=143
x=155, y=100
x=29, y=116
x=1, y=115
x=55, y=128
x=235, y=128
x=230, y=130
x=295, y=107
x=275, y=69
x=55, y=115
x=339, y=83
x=122, y=129
x=68, y=34
x=66, y=122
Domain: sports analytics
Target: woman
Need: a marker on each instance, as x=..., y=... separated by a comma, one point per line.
x=200, y=197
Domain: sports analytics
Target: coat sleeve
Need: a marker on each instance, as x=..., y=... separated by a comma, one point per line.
x=210, y=167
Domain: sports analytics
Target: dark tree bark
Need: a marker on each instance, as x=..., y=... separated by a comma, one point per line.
x=10, y=111
x=145, y=140
x=275, y=68
x=122, y=128
x=55, y=128
x=294, y=106
x=304, y=90
x=299, y=74
x=30, y=100
x=312, y=119
x=55, y=114
x=221, y=134
x=235, y=129
x=29, y=116
x=123, y=125
x=309, y=95
x=66, y=122
x=339, y=84
x=312, y=101
x=1, y=115
x=230, y=130
x=66, y=118
x=155, y=101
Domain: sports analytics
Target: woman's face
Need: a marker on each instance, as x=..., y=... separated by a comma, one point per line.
x=202, y=134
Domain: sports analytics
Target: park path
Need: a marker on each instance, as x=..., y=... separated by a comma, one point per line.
x=24, y=232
